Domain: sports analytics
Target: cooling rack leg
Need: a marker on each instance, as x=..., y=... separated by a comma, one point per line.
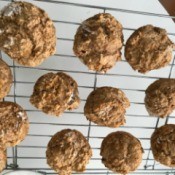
x=14, y=165
x=14, y=149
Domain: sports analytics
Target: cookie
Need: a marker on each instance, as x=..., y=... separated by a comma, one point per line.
x=148, y=48
x=54, y=93
x=121, y=152
x=3, y=159
x=6, y=79
x=98, y=42
x=106, y=106
x=67, y=151
x=163, y=145
x=14, y=124
x=27, y=34
x=160, y=97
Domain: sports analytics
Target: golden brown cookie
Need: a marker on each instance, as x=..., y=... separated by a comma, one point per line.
x=27, y=34
x=121, y=152
x=67, y=151
x=163, y=145
x=98, y=42
x=106, y=106
x=160, y=97
x=54, y=93
x=3, y=158
x=6, y=79
x=148, y=48
x=14, y=124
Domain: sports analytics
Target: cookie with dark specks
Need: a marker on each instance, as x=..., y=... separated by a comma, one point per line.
x=54, y=93
x=160, y=97
x=98, y=42
x=121, y=152
x=106, y=106
x=67, y=151
x=148, y=48
x=6, y=79
x=27, y=34
x=163, y=145
x=14, y=124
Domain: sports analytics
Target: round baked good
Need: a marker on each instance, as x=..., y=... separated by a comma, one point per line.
x=14, y=124
x=106, y=106
x=160, y=97
x=163, y=145
x=6, y=79
x=3, y=158
x=98, y=42
x=148, y=48
x=67, y=151
x=27, y=34
x=54, y=93
x=121, y=152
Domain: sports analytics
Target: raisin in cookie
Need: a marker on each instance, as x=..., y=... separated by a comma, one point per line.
x=163, y=145
x=121, y=152
x=160, y=97
x=106, y=106
x=14, y=124
x=6, y=79
x=67, y=151
x=54, y=93
x=148, y=48
x=98, y=42
x=27, y=34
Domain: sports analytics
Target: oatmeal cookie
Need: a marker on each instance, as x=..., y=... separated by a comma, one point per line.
x=106, y=106
x=27, y=34
x=148, y=48
x=3, y=158
x=14, y=124
x=160, y=97
x=98, y=42
x=121, y=152
x=67, y=151
x=54, y=93
x=6, y=79
x=163, y=145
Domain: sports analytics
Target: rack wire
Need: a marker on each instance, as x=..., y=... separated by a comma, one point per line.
x=30, y=154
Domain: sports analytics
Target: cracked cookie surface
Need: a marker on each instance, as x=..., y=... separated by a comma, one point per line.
x=106, y=106
x=148, y=48
x=67, y=151
x=160, y=97
x=27, y=34
x=54, y=93
x=121, y=152
x=163, y=145
x=14, y=124
x=98, y=42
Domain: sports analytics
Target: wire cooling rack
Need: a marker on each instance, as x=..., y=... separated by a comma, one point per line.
x=67, y=15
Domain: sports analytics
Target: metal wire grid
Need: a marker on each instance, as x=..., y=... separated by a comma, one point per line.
x=14, y=160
